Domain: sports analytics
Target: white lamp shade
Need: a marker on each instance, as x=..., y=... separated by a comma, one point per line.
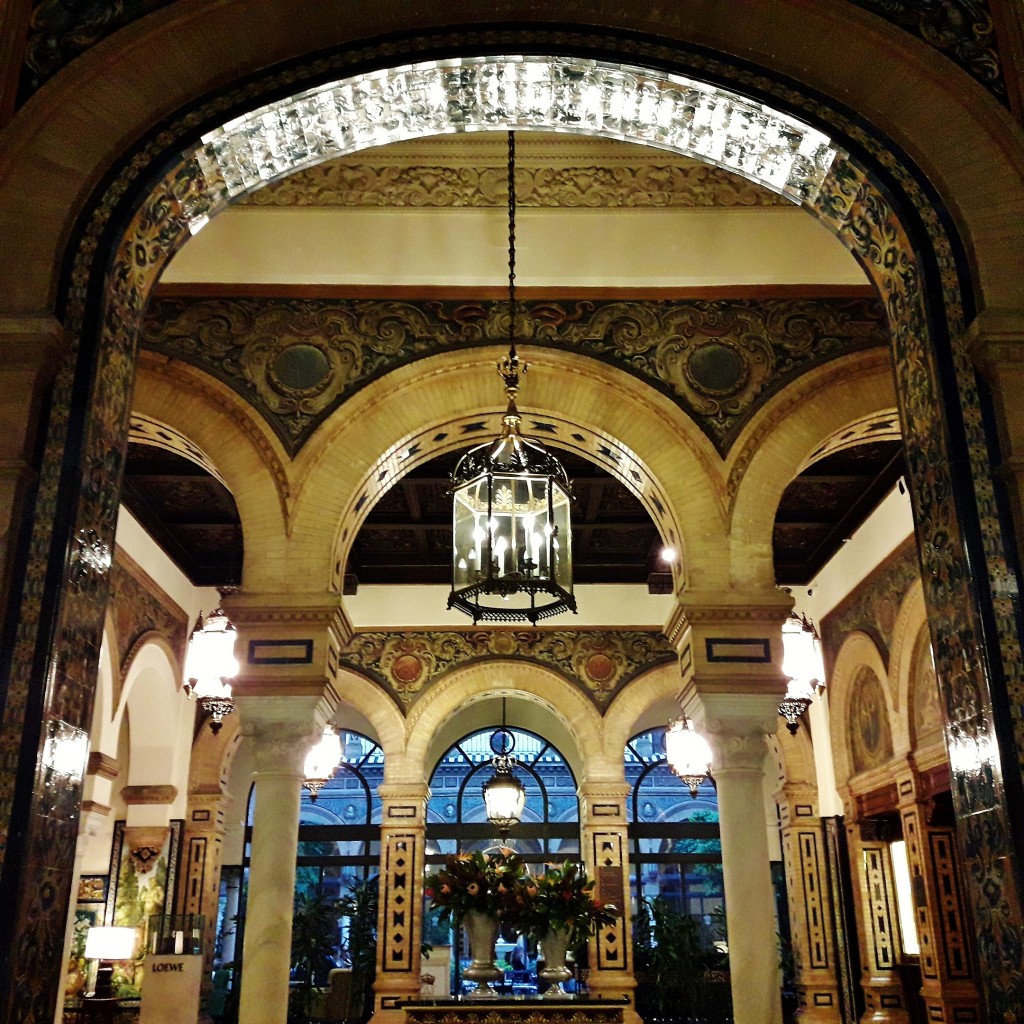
x=801, y=658
x=210, y=662
x=324, y=757
x=103, y=943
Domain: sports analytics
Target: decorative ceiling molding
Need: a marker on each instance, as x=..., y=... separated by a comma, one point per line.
x=479, y=180
x=600, y=662
x=297, y=360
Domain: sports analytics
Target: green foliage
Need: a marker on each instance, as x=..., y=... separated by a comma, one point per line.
x=562, y=898
x=486, y=882
x=360, y=907
x=672, y=961
x=314, y=944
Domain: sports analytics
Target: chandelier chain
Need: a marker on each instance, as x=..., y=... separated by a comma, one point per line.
x=511, y=244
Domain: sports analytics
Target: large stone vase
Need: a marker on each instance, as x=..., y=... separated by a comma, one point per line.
x=482, y=933
x=554, y=945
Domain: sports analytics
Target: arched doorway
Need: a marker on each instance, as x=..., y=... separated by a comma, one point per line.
x=859, y=210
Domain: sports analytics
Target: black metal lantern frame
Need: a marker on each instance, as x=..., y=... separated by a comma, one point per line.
x=511, y=527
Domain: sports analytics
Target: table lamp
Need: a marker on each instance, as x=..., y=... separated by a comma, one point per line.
x=107, y=945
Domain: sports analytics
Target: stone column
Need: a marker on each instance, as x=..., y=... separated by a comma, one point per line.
x=810, y=904
x=948, y=987
x=730, y=654
x=29, y=352
x=400, y=916
x=605, y=849
x=736, y=726
x=281, y=730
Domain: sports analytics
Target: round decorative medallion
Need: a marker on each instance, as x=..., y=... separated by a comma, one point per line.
x=406, y=668
x=600, y=668
x=300, y=368
x=716, y=369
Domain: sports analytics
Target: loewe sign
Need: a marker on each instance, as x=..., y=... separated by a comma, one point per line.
x=160, y=967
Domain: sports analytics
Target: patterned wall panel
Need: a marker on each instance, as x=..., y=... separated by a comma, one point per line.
x=296, y=360
x=880, y=908
x=609, y=859
x=811, y=875
x=599, y=662
x=951, y=914
x=872, y=606
x=399, y=888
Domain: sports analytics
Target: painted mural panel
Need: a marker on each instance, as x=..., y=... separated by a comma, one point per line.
x=870, y=735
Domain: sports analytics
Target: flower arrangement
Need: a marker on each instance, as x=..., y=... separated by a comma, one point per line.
x=489, y=882
x=562, y=899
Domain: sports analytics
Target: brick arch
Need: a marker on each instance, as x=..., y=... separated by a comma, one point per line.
x=215, y=419
x=664, y=459
x=556, y=700
x=776, y=445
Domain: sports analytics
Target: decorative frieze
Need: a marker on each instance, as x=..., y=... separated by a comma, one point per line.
x=720, y=360
x=600, y=662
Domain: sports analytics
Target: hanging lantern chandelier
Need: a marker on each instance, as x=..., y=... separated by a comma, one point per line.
x=803, y=666
x=504, y=794
x=511, y=530
x=210, y=665
x=688, y=754
x=321, y=762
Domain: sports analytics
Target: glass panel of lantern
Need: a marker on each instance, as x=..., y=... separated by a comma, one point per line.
x=509, y=529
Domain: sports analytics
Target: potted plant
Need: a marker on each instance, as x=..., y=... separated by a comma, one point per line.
x=479, y=890
x=561, y=913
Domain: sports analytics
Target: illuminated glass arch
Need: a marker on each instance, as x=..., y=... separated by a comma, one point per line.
x=469, y=94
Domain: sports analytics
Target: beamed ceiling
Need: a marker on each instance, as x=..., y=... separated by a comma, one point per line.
x=316, y=286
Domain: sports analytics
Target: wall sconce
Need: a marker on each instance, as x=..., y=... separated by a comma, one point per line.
x=803, y=666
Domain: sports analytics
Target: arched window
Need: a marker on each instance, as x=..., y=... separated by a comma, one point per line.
x=456, y=820
x=675, y=843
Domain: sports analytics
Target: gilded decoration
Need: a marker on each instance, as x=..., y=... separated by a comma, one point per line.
x=676, y=183
x=870, y=737
x=599, y=662
x=873, y=606
x=140, y=608
x=852, y=203
x=297, y=360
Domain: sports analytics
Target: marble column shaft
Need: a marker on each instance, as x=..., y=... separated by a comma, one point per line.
x=282, y=730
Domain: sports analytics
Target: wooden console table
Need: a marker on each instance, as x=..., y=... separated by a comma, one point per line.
x=527, y=1010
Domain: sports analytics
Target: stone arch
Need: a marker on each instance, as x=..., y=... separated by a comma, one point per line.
x=650, y=699
x=940, y=120
x=247, y=456
x=777, y=443
x=660, y=454
x=559, y=712
x=857, y=655
x=373, y=705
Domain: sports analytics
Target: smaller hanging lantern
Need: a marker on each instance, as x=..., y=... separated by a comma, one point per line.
x=803, y=665
x=504, y=794
x=688, y=754
x=321, y=762
x=210, y=665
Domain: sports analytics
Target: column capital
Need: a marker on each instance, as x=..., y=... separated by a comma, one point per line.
x=995, y=339
x=284, y=635
x=603, y=804
x=403, y=804
x=735, y=724
x=32, y=340
x=281, y=728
